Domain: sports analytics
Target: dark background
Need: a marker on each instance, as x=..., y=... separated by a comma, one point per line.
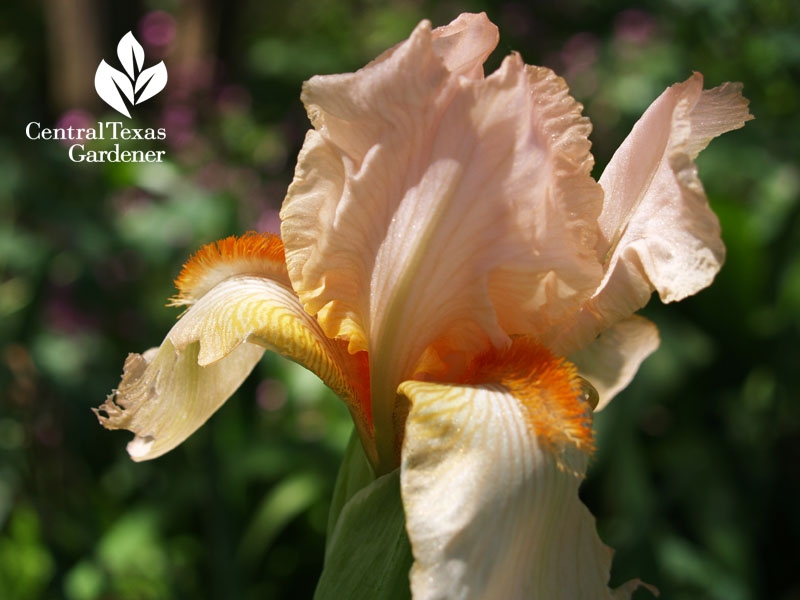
x=696, y=480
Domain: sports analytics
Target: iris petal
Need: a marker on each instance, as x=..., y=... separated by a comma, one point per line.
x=656, y=208
x=165, y=396
x=658, y=231
x=429, y=206
x=466, y=43
x=611, y=361
x=167, y=393
x=491, y=497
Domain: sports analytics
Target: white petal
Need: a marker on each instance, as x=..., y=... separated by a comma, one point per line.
x=610, y=362
x=166, y=398
x=489, y=511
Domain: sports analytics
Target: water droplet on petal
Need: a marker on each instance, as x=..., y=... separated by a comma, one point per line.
x=588, y=393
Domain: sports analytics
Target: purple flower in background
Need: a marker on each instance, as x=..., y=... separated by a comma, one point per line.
x=179, y=121
x=77, y=119
x=635, y=25
x=157, y=29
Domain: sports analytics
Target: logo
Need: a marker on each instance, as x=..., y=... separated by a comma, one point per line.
x=87, y=142
x=123, y=90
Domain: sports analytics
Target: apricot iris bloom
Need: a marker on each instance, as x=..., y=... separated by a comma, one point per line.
x=450, y=268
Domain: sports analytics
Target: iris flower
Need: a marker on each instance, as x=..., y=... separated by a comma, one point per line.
x=450, y=268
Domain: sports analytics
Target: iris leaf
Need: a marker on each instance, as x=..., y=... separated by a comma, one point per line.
x=368, y=554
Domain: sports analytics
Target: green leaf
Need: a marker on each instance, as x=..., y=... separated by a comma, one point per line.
x=354, y=474
x=368, y=555
x=283, y=503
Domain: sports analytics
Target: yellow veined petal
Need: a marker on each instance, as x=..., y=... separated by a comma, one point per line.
x=658, y=232
x=266, y=312
x=490, y=484
x=428, y=206
x=167, y=394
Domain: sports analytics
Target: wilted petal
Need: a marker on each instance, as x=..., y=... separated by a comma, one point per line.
x=166, y=395
x=658, y=230
x=428, y=206
x=611, y=361
x=490, y=478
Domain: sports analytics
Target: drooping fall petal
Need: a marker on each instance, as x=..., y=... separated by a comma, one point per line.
x=164, y=396
x=490, y=477
x=241, y=302
x=428, y=205
x=658, y=231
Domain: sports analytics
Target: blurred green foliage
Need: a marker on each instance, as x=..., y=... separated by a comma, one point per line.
x=696, y=479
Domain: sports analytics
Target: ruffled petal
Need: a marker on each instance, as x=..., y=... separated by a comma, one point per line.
x=428, y=206
x=658, y=231
x=610, y=362
x=655, y=205
x=466, y=43
x=169, y=392
x=490, y=485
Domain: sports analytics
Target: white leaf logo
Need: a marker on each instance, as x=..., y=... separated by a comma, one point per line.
x=111, y=86
x=122, y=90
x=131, y=54
x=151, y=81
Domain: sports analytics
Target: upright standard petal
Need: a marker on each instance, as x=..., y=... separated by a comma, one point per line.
x=430, y=206
x=241, y=302
x=466, y=43
x=658, y=231
x=656, y=221
x=490, y=477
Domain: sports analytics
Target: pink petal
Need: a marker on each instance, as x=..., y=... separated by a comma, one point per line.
x=658, y=231
x=610, y=362
x=465, y=44
x=428, y=205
